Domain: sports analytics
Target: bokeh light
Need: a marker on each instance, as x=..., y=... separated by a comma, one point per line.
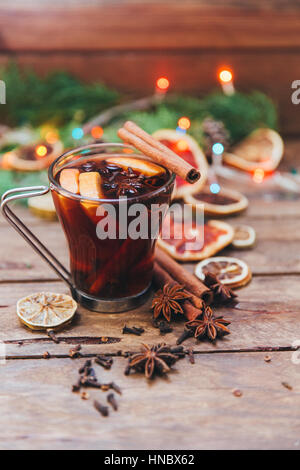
x=218, y=148
x=162, y=83
x=184, y=123
x=51, y=137
x=225, y=76
x=77, y=133
x=215, y=188
x=97, y=132
x=258, y=175
x=182, y=145
x=41, y=151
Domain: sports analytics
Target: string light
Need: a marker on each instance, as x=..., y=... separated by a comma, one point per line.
x=218, y=148
x=51, y=137
x=214, y=188
x=226, y=80
x=180, y=130
x=97, y=132
x=162, y=84
x=41, y=150
x=184, y=123
x=182, y=145
x=225, y=76
x=77, y=133
x=258, y=175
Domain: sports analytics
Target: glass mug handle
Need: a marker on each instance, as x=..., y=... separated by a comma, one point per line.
x=32, y=191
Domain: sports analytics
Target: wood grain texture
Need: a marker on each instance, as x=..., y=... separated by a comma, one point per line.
x=265, y=317
x=147, y=25
x=38, y=410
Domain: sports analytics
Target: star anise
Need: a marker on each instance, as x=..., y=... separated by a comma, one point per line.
x=222, y=294
x=152, y=360
x=166, y=300
x=208, y=325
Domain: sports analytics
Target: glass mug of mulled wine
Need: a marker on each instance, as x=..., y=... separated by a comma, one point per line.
x=110, y=201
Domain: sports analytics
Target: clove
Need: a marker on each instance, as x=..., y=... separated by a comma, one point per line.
x=133, y=330
x=112, y=401
x=103, y=410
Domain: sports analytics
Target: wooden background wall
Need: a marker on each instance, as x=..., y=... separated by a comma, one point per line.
x=129, y=43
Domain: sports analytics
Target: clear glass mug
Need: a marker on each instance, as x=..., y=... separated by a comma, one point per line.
x=106, y=274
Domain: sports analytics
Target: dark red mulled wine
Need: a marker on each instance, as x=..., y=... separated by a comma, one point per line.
x=118, y=266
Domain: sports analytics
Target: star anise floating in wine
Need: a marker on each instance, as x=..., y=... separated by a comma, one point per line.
x=207, y=325
x=222, y=294
x=167, y=300
x=152, y=360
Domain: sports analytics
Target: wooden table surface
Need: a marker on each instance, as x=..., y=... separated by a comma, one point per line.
x=194, y=408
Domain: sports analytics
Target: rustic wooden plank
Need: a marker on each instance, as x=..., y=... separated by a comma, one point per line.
x=38, y=409
x=192, y=72
x=266, y=317
x=147, y=25
x=19, y=262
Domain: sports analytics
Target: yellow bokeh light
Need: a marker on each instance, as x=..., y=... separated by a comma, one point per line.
x=225, y=76
x=182, y=145
x=51, y=137
x=41, y=150
x=184, y=123
x=258, y=175
x=162, y=83
x=97, y=132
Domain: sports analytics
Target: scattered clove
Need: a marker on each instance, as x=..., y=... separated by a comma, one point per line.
x=191, y=355
x=46, y=355
x=84, y=396
x=74, y=352
x=52, y=336
x=103, y=410
x=133, y=330
x=105, y=362
x=164, y=328
x=185, y=335
x=115, y=387
x=112, y=401
x=287, y=385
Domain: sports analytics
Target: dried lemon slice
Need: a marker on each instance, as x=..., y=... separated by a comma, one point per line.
x=232, y=272
x=46, y=310
x=43, y=206
x=244, y=236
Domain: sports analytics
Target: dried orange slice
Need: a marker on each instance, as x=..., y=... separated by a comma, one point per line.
x=44, y=310
x=21, y=158
x=43, y=206
x=244, y=237
x=226, y=202
x=263, y=148
x=232, y=272
x=188, y=149
x=147, y=168
x=90, y=185
x=69, y=180
x=192, y=242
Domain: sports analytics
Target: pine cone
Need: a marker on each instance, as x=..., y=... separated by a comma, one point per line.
x=214, y=131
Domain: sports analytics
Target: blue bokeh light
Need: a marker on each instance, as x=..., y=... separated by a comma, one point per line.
x=215, y=188
x=218, y=148
x=179, y=129
x=77, y=133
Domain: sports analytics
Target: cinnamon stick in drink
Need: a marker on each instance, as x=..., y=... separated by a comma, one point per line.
x=182, y=276
x=134, y=135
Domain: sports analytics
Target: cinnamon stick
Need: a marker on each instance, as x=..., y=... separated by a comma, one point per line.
x=161, y=277
x=133, y=134
x=182, y=276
